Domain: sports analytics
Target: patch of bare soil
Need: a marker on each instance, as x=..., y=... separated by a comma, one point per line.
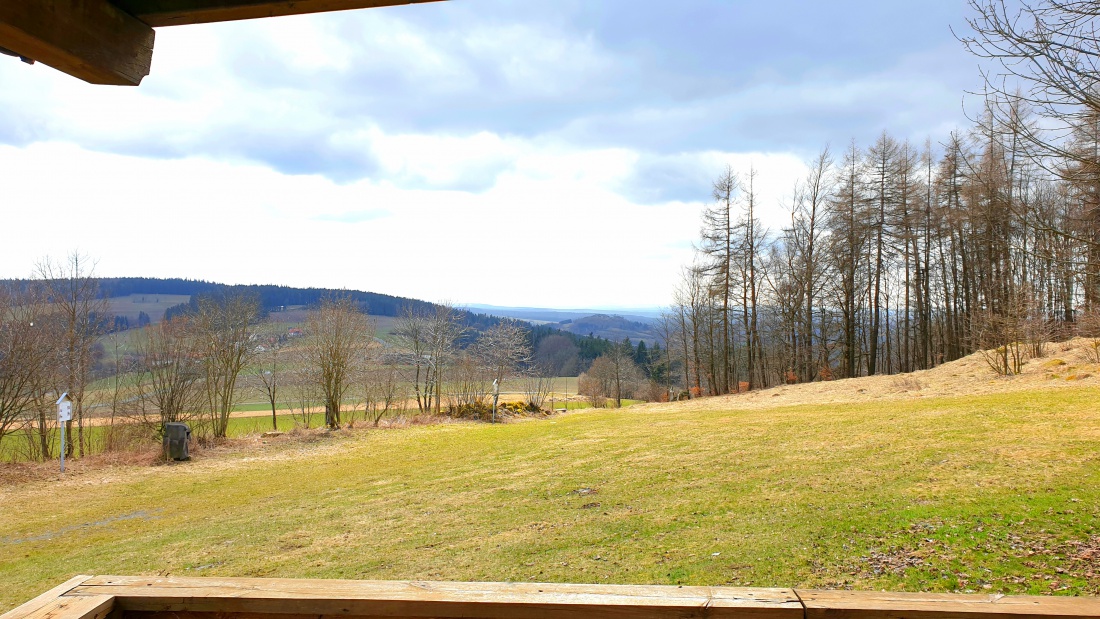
x=1067, y=560
x=1046, y=561
x=1086, y=556
x=15, y=473
x=1063, y=364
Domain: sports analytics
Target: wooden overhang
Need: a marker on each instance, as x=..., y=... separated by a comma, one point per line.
x=111, y=41
x=123, y=597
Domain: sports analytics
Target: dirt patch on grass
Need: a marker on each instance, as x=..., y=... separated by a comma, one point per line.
x=949, y=552
x=225, y=453
x=16, y=473
x=895, y=561
x=1064, y=365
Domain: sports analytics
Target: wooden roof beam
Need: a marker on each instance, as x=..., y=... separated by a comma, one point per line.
x=93, y=40
x=181, y=12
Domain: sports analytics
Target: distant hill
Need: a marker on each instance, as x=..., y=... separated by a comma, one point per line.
x=130, y=298
x=272, y=297
x=542, y=315
x=136, y=301
x=613, y=328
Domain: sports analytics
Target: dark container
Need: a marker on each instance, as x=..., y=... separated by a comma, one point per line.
x=176, y=438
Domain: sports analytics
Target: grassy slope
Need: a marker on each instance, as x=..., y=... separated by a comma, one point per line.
x=152, y=304
x=936, y=494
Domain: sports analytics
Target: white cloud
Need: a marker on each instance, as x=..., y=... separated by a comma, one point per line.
x=552, y=230
x=439, y=160
x=494, y=158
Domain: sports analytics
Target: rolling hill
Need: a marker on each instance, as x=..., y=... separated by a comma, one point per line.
x=612, y=328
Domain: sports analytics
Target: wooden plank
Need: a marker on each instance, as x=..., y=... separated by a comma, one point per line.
x=90, y=39
x=75, y=607
x=186, y=614
x=874, y=605
x=439, y=599
x=21, y=611
x=180, y=12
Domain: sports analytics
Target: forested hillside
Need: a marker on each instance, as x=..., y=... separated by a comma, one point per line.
x=271, y=296
x=900, y=256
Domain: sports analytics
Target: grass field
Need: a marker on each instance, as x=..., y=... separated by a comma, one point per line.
x=152, y=304
x=996, y=493
x=11, y=446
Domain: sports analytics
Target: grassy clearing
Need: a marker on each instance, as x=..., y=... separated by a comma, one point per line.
x=998, y=493
x=12, y=447
x=152, y=304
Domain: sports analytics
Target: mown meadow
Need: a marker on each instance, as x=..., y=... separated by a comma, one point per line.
x=997, y=493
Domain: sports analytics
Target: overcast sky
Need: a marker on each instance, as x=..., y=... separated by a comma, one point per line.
x=551, y=153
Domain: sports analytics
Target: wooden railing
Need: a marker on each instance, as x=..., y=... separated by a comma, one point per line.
x=127, y=597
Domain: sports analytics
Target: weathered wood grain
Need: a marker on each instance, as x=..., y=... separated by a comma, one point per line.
x=875, y=605
x=180, y=12
x=74, y=607
x=135, y=597
x=23, y=610
x=93, y=40
x=439, y=599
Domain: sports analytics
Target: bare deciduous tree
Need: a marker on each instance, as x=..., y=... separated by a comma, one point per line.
x=429, y=339
x=384, y=390
x=171, y=371
x=122, y=395
x=301, y=390
x=75, y=299
x=270, y=380
x=223, y=333
x=1046, y=57
x=338, y=336
x=538, y=385
x=503, y=348
x=469, y=381
x=612, y=375
x=26, y=353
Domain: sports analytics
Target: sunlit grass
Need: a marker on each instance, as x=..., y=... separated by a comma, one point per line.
x=993, y=493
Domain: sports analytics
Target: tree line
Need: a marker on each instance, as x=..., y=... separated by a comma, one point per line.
x=898, y=256
x=197, y=363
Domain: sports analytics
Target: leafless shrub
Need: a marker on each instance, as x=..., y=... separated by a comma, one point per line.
x=1088, y=326
x=170, y=373
x=470, y=383
x=383, y=392
x=302, y=395
x=336, y=349
x=538, y=384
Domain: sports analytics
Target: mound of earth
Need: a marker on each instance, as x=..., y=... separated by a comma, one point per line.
x=1064, y=364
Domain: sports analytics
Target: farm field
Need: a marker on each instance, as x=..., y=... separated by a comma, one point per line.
x=993, y=493
x=152, y=304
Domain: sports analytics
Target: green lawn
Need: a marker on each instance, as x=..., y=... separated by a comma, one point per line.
x=11, y=447
x=990, y=494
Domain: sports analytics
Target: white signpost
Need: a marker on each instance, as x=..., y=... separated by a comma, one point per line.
x=496, y=396
x=64, y=414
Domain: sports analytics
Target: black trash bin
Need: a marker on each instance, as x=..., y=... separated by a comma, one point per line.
x=176, y=438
